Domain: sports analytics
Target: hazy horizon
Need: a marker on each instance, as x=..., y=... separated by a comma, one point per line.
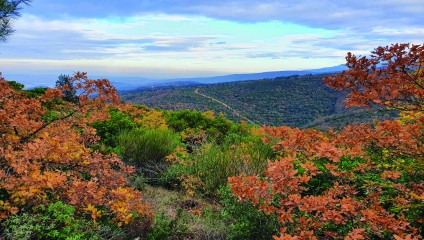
x=31, y=80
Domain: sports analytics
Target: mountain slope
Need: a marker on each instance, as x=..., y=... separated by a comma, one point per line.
x=299, y=101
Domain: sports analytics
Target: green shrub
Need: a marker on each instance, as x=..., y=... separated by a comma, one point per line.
x=165, y=227
x=60, y=221
x=146, y=149
x=208, y=167
x=17, y=86
x=21, y=226
x=35, y=92
x=171, y=177
x=186, y=225
x=57, y=221
x=215, y=164
x=109, y=130
x=215, y=127
x=244, y=220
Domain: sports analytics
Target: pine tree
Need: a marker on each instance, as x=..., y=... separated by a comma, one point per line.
x=68, y=89
x=8, y=11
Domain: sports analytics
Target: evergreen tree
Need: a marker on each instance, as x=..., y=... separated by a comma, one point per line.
x=9, y=9
x=68, y=89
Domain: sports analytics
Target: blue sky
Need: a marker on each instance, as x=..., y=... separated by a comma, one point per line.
x=181, y=38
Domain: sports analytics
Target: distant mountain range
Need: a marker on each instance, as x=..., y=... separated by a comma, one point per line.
x=132, y=83
x=257, y=76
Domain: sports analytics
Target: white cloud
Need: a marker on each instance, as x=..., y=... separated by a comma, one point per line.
x=333, y=14
x=90, y=37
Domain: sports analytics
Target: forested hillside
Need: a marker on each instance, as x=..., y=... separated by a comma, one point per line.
x=297, y=101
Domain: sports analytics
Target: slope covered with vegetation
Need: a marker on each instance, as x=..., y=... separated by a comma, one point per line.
x=176, y=99
x=297, y=101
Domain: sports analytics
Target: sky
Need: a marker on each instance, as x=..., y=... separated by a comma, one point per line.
x=198, y=38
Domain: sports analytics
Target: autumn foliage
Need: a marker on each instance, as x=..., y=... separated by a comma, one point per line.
x=391, y=77
x=361, y=182
x=45, y=155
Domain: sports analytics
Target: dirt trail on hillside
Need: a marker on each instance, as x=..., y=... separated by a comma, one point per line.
x=197, y=91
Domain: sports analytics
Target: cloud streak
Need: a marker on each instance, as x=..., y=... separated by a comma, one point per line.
x=208, y=36
x=334, y=14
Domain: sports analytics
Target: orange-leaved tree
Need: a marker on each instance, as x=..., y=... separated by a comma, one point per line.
x=392, y=76
x=45, y=155
x=359, y=183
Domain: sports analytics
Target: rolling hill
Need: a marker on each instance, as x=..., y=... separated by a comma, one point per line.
x=299, y=101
